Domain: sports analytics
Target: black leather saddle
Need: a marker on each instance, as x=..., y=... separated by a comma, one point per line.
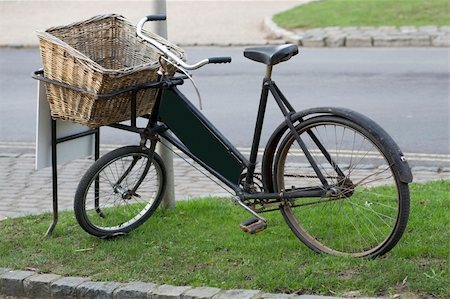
x=271, y=55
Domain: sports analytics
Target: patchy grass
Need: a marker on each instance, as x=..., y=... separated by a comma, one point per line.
x=200, y=244
x=326, y=13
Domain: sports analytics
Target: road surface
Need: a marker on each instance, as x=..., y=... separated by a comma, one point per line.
x=406, y=90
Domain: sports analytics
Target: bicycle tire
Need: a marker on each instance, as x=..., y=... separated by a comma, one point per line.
x=115, y=209
x=369, y=215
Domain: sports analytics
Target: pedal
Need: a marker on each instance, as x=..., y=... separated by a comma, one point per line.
x=253, y=225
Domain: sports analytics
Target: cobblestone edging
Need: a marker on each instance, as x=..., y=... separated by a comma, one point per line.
x=30, y=284
x=407, y=36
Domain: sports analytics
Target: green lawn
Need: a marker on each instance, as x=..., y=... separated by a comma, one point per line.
x=200, y=244
x=325, y=13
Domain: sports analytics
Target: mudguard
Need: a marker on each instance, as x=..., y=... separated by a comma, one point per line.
x=389, y=144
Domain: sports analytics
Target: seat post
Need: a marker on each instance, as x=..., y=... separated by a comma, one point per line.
x=268, y=72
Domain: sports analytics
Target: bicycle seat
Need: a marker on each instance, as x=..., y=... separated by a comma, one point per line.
x=271, y=55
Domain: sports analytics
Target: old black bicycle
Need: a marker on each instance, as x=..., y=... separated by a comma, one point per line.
x=338, y=179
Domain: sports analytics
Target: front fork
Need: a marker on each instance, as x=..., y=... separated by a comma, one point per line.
x=149, y=133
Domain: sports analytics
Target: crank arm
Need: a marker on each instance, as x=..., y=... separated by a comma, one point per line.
x=238, y=200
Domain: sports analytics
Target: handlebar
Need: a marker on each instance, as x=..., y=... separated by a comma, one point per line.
x=167, y=53
x=155, y=18
x=219, y=60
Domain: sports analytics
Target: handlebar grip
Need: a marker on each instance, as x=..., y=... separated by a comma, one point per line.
x=219, y=60
x=155, y=18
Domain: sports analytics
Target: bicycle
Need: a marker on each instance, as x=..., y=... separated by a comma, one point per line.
x=338, y=179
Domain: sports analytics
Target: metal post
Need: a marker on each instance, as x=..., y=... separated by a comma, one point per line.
x=165, y=149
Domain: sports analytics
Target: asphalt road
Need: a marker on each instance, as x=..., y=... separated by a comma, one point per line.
x=405, y=90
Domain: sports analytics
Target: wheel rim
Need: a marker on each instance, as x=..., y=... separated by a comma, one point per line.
x=120, y=209
x=363, y=217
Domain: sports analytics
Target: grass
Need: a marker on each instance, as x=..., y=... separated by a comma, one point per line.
x=326, y=13
x=200, y=244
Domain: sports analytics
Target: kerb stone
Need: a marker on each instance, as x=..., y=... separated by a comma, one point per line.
x=278, y=33
x=423, y=40
x=134, y=290
x=201, y=293
x=11, y=282
x=335, y=40
x=408, y=29
x=239, y=294
x=441, y=41
x=66, y=287
x=279, y=296
x=313, y=41
x=324, y=297
x=168, y=292
x=358, y=41
x=39, y=286
x=392, y=41
x=97, y=290
x=428, y=29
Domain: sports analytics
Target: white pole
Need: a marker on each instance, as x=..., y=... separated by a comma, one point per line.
x=164, y=149
x=159, y=27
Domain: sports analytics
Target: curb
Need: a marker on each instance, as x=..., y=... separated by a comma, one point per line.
x=406, y=36
x=31, y=284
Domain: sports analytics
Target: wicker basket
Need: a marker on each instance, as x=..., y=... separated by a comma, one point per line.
x=99, y=55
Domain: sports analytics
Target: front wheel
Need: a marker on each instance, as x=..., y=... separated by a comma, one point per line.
x=366, y=209
x=119, y=192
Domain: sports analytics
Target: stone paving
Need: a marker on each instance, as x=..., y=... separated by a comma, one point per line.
x=29, y=191
x=386, y=36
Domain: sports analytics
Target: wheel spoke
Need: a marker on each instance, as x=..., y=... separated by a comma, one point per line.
x=124, y=207
x=361, y=214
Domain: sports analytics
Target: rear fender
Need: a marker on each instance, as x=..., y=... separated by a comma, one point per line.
x=390, y=147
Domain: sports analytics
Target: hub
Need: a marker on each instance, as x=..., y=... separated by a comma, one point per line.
x=124, y=193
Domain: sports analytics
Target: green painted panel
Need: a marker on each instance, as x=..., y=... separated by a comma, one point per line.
x=177, y=114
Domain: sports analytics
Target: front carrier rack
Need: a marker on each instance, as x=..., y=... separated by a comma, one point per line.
x=132, y=127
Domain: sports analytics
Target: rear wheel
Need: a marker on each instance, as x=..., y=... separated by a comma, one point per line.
x=119, y=192
x=367, y=206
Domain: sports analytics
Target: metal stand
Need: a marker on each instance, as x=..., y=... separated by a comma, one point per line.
x=39, y=75
x=55, y=142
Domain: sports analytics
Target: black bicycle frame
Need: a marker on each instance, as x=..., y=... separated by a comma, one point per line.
x=218, y=155
x=173, y=101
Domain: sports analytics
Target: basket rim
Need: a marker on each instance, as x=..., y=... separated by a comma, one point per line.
x=93, y=65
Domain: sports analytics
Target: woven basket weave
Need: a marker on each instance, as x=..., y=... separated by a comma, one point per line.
x=99, y=55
